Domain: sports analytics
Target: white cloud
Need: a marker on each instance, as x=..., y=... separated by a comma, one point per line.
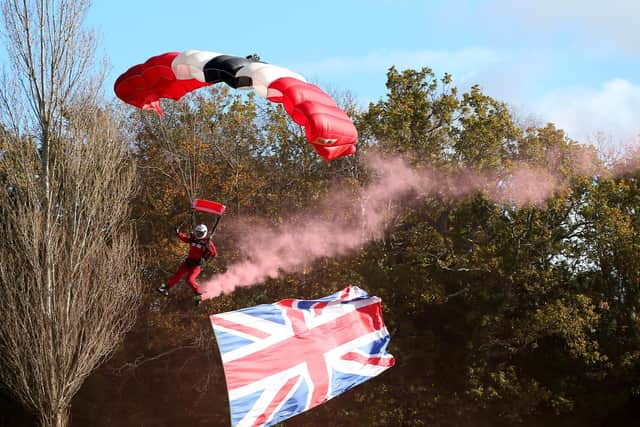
x=612, y=110
x=596, y=22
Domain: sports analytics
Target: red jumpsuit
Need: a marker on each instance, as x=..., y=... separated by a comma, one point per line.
x=200, y=250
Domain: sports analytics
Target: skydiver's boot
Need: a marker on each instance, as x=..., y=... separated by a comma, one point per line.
x=164, y=289
x=197, y=298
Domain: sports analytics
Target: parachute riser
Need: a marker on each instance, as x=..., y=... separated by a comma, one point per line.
x=215, y=225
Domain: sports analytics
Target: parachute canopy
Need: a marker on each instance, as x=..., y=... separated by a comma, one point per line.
x=172, y=75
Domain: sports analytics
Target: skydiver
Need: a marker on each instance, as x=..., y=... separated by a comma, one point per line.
x=201, y=249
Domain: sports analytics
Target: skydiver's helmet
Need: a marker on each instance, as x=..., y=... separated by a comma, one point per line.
x=200, y=231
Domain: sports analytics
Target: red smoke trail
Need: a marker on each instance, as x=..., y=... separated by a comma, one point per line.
x=346, y=220
x=341, y=223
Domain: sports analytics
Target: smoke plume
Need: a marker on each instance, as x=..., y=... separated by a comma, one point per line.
x=347, y=219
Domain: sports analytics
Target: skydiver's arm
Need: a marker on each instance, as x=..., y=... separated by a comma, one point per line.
x=184, y=237
x=211, y=250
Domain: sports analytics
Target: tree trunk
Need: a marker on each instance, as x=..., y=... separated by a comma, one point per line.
x=59, y=418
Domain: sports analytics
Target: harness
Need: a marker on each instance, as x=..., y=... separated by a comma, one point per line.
x=199, y=243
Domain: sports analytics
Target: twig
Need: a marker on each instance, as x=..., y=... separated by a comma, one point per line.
x=140, y=360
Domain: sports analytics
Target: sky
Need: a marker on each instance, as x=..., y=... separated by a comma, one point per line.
x=574, y=63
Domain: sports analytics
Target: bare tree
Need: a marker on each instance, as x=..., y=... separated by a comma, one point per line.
x=69, y=287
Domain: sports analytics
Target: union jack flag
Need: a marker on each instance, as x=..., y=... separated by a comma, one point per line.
x=284, y=358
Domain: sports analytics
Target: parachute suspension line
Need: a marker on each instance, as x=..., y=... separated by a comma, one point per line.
x=194, y=154
x=184, y=164
x=215, y=225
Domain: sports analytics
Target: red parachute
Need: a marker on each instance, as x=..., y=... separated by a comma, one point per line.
x=172, y=75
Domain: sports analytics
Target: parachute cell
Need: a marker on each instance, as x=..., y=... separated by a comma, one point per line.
x=144, y=84
x=172, y=75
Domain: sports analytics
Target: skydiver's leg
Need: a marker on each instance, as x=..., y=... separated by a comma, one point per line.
x=182, y=271
x=191, y=280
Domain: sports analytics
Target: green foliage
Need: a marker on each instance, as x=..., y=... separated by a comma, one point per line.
x=484, y=132
x=415, y=117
